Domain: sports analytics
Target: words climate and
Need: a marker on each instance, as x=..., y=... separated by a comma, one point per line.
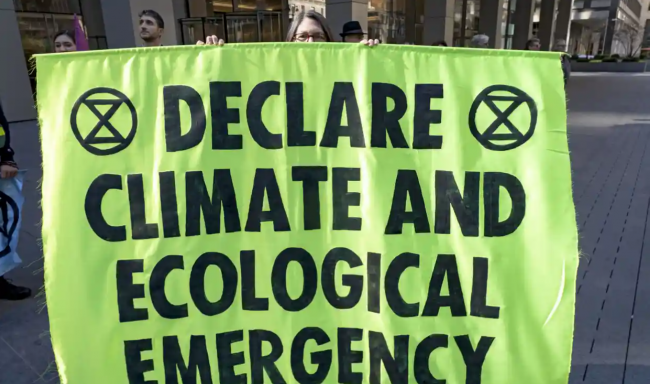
x=221, y=200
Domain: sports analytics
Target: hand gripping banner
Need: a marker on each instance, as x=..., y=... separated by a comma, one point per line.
x=307, y=213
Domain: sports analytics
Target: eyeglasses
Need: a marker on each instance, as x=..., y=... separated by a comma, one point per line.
x=316, y=37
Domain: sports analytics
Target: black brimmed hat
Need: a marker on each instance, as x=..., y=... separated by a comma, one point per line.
x=352, y=28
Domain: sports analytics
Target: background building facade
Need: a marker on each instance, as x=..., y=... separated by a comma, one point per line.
x=27, y=27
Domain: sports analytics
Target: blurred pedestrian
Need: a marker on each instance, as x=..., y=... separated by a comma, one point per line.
x=560, y=46
x=9, y=169
x=152, y=27
x=307, y=27
x=65, y=41
x=440, y=43
x=533, y=44
x=480, y=41
x=352, y=32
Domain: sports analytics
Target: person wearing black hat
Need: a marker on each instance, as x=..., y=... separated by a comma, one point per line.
x=352, y=32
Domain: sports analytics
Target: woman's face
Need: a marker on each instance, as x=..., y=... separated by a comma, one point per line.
x=310, y=31
x=64, y=43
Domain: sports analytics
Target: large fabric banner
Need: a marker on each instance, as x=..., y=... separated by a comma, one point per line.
x=307, y=213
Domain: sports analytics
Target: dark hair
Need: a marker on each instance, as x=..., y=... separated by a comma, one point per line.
x=68, y=33
x=532, y=41
x=440, y=43
x=154, y=15
x=310, y=14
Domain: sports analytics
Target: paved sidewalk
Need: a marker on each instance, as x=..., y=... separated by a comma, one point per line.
x=609, y=122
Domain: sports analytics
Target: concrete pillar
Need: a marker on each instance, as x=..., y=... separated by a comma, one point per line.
x=409, y=22
x=15, y=89
x=523, y=21
x=200, y=8
x=118, y=23
x=438, y=21
x=547, y=24
x=491, y=16
x=93, y=20
x=610, y=27
x=340, y=12
x=563, y=22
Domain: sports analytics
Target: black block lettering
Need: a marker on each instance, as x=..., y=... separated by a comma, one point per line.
x=250, y=301
x=127, y=291
x=397, y=367
x=139, y=226
x=407, y=186
x=445, y=266
x=159, y=275
x=93, y=208
x=422, y=354
x=175, y=364
x=391, y=286
x=491, y=187
x=227, y=360
x=478, y=306
x=296, y=134
x=374, y=282
x=474, y=359
x=198, y=200
x=343, y=199
x=424, y=116
x=256, y=100
x=260, y=362
x=385, y=121
x=169, y=205
x=266, y=184
x=347, y=356
x=310, y=177
x=322, y=359
x=343, y=96
x=197, y=283
x=279, y=279
x=174, y=139
x=353, y=282
x=220, y=91
x=466, y=207
x=135, y=366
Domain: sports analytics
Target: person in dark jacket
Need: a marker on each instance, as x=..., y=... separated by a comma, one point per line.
x=8, y=169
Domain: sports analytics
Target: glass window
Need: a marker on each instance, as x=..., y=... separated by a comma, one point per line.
x=472, y=17
x=222, y=5
x=193, y=31
x=459, y=26
x=386, y=20
x=242, y=29
x=48, y=6
x=271, y=5
x=271, y=26
x=214, y=26
x=246, y=5
x=507, y=24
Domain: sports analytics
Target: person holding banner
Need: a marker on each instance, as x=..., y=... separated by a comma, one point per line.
x=307, y=27
x=8, y=169
x=65, y=41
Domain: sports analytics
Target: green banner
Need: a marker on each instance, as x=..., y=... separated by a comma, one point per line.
x=307, y=213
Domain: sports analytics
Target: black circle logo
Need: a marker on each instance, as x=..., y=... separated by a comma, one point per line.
x=489, y=138
x=10, y=214
x=103, y=124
